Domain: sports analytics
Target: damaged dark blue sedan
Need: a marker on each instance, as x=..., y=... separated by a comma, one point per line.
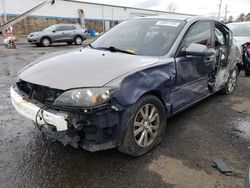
x=120, y=90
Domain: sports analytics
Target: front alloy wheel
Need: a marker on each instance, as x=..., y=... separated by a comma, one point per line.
x=145, y=128
x=46, y=42
x=146, y=125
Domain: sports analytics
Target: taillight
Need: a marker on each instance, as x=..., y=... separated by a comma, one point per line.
x=246, y=46
x=246, y=49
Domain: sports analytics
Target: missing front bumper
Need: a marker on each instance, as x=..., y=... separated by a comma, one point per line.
x=99, y=130
x=32, y=110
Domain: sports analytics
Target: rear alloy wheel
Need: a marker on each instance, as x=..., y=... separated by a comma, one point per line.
x=231, y=83
x=146, y=127
x=46, y=42
x=78, y=40
x=247, y=72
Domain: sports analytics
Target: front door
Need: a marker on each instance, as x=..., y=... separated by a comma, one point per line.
x=221, y=45
x=193, y=70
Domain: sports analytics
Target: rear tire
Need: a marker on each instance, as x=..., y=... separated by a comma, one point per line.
x=247, y=72
x=46, y=42
x=78, y=40
x=231, y=83
x=144, y=132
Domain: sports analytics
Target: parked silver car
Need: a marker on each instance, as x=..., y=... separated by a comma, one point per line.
x=69, y=33
x=241, y=36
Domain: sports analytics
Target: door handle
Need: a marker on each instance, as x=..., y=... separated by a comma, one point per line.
x=208, y=60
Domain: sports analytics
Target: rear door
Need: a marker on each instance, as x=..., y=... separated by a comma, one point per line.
x=69, y=33
x=193, y=71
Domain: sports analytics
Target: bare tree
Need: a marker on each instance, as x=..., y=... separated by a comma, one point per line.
x=241, y=18
x=171, y=7
x=247, y=17
x=230, y=19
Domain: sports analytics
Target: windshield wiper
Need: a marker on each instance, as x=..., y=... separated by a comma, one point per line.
x=114, y=49
x=90, y=45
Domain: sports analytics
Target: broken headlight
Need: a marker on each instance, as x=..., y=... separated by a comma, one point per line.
x=87, y=97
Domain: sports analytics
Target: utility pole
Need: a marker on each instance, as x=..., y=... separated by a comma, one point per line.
x=4, y=11
x=219, y=10
x=103, y=22
x=225, y=19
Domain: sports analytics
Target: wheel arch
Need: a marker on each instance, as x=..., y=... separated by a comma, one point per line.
x=78, y=36
x=157, y=94
x=43, y=37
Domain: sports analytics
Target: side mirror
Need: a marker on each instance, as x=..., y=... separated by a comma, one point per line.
x=53, y=31
x=198, y=50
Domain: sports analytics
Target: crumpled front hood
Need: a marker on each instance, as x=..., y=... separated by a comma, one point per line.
x=82, y=68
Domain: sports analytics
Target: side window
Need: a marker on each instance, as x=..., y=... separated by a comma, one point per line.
x=222, y=35
x=68, y=28
x=60, y=28
x=219, y=38
x=199, y=33
x=65, y=28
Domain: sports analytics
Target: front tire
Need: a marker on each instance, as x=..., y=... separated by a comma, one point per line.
x=46, y=42
x=231, y=83
x=146, y=128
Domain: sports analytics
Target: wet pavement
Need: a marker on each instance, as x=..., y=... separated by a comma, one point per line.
x=218, y=127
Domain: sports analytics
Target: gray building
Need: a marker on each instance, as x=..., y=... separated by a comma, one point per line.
x=99, y=17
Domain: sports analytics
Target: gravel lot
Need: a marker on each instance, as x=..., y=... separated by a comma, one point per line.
x=218, y=127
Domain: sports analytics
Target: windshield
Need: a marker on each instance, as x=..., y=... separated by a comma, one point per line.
x=50, y=28
x=240, y=29
x=149, y=37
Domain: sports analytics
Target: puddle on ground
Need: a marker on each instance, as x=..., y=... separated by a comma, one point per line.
x=241, y=126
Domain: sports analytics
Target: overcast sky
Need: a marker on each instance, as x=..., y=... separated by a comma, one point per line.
x=205, y=7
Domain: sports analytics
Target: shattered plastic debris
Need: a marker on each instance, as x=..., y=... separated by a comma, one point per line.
x=222, y=167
